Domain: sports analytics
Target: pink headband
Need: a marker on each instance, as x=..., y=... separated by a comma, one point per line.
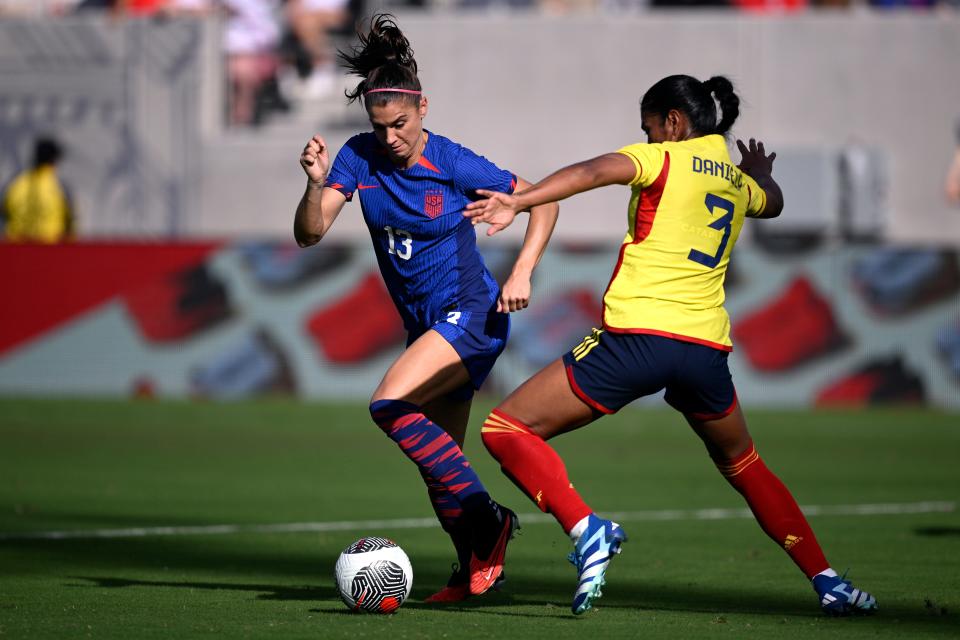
x=410, y=91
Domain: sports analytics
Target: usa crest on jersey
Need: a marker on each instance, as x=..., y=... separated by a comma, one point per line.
x=433, y=203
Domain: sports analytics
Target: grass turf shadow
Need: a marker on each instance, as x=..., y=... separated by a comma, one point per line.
x=267, y=592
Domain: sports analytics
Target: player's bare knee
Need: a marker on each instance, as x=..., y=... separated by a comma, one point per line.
x=385, y=393
x=727, y=450
x=540, y=430
x=382, y=392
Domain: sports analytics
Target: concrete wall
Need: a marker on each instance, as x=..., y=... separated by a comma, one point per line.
x=538, y=93
x=125, y=98
x=534, y=93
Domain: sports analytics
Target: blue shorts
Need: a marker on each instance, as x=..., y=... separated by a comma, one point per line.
x=609, y=370
x=478, y=337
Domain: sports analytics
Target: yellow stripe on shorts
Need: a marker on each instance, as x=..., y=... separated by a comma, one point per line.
x=581, y=350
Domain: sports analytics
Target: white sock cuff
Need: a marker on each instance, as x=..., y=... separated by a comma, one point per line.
x=578, y=529
x=830, y=573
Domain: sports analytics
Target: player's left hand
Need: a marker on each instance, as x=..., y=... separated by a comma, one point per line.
x=496, y=209
x=515, y=294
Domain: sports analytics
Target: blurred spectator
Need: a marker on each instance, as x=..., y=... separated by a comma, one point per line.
x=562, y=7
x=98, y=5
x=189, y=7
x=952, y=186
x=250, y=41
x=483, y=4
x=690, y=3
x=903, y=4
x=251, y=36
x=127, y=7
x=311, y=22
x=770, y=5
x=36, y=205
x=141, y=7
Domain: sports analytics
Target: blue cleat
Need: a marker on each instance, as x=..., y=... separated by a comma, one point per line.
x=840, y=598
x=591, y=556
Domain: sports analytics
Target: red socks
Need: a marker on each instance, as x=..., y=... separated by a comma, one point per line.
x=534, y=467
x=540, y=473
x=775, y=509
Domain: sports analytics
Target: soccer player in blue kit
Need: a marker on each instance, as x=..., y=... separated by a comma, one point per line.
x=413, y=186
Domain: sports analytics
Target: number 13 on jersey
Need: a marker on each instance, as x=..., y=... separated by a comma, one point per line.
x=400, y=242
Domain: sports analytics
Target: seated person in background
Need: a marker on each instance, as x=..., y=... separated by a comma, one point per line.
x=311, y=21
x=251, y=37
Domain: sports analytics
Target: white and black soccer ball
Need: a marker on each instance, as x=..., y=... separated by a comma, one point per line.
x=373, y=575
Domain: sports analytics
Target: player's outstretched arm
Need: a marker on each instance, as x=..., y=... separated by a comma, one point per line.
x=499, y=209
x=319, y=206
x=515, y=293
x=759, y=166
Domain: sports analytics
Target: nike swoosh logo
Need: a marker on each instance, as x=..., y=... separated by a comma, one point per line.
x=368, y=186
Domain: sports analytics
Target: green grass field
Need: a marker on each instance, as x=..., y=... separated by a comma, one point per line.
x=69, y=465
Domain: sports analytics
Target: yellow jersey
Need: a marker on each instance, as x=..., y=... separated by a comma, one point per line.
x=36, y=207
x=686, y=210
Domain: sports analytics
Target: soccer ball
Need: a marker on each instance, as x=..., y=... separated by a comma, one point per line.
x=373, y=575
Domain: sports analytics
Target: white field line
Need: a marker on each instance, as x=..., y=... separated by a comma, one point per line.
x=426, y=523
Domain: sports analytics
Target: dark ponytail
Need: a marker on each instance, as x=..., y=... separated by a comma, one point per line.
x=722, y=90
x=384, y=60
x=698, y=100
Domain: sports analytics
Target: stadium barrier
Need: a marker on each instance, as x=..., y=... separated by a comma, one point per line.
x=829, y=326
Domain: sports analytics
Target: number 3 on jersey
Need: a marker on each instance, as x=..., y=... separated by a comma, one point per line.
x=722, y=223
x=403, y=249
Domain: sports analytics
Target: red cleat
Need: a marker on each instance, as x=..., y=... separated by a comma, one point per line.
x=450, y=593
x=484, y=573
x=458, y=588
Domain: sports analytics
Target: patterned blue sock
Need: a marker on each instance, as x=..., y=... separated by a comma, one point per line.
x=439, y=458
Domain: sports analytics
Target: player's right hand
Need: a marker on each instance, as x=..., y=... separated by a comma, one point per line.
x=315, y=160
x=755, y=161
x=496, y=209
x=515, y=294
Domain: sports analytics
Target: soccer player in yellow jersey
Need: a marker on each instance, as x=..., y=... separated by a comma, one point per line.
x=664, y=327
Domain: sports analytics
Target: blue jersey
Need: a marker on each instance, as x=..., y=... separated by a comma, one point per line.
x=426, y=249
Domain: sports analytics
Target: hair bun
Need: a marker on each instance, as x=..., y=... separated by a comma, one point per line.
x=383, y=58
x=722, y=91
